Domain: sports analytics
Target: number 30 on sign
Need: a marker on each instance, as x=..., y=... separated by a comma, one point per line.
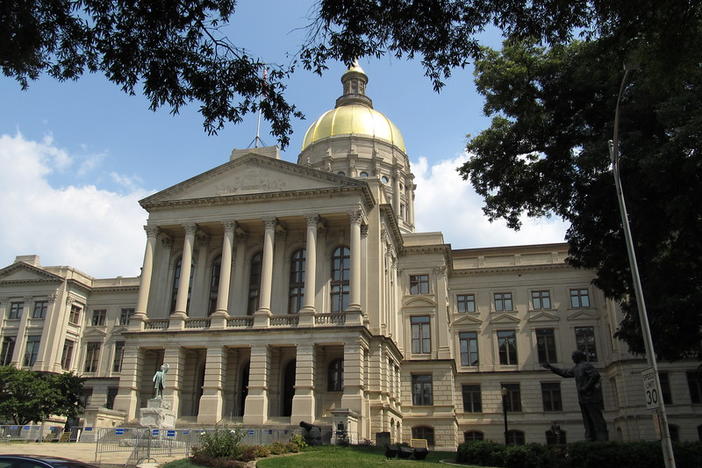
x=652, y=394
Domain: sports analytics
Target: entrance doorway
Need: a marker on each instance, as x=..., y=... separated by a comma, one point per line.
x=288, y=390
x=244, y=390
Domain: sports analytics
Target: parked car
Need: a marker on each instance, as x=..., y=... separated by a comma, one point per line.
x=40, y=461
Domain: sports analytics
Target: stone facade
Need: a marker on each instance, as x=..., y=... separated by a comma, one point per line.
x=280, y=292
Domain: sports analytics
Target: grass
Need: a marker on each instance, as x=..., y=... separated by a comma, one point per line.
x=339, y=457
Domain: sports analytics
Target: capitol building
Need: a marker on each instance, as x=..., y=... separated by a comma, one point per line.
x=279, y=292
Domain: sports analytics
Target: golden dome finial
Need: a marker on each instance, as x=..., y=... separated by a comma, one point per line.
x=354, y=82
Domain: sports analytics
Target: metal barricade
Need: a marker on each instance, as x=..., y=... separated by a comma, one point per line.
x=27, y=433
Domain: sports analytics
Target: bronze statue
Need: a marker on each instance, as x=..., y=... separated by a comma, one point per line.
x=159, y=381
x=587, y=381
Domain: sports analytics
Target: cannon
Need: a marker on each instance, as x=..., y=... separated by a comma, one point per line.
x=313, y=434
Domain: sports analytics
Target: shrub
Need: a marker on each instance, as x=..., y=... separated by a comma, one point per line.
x=220, y=443
x=292, y=447
x=221, y=462
x=299, y=440
x=278, y=448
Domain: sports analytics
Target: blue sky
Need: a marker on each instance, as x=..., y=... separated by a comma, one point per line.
x=85, y=151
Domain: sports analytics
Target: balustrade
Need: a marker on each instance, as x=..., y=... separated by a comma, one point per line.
x=284, y=320
x=198, y=323
x=156, y=324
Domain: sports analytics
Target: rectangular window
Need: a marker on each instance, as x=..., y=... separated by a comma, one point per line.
x=551, y=394
x=32, y=351
x=472, y=402
x=74, y=316
x=507, y=344
x=503, y=302
x=579, y=298
x=119, y=355
x=92, y=357
x=546, y=345
x=15, y=310
x=512, y=398
x=540, y=300
x=111, y=395
x=469, y=348
x=665, y=388
x=39, y=309
x=421, y=335
x=422, y=390
x=694, y=383
x=419, y=284
x=585, y=342
x=67, y=355
x=99, y=318
x=8, y=347
x=125, y=315
x=465, y=303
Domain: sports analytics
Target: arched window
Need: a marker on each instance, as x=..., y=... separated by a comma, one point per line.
x=472, y=435
x=515, y=437
x=424, y=432
x=340, y=274
x=674, y=432
x=335, y=376
x=214, y=284
x=176, y=279
x=556, y=438
x=297, y=281
x=254, y=283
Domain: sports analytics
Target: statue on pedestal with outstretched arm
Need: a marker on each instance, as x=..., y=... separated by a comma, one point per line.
x=160, y=381
x=587, y=381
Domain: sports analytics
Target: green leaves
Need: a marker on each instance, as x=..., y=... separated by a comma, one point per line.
x=27, y=396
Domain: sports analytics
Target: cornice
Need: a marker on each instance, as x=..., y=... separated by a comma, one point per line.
x=48, y=276
x=511, y=268
x=116, y=289
x=387, y=211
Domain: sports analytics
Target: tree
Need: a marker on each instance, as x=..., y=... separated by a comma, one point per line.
x=547, y=152
x=552, y=100
x=27, y=396
x=173, y=49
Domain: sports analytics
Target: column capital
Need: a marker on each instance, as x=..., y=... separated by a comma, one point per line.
x=356, y=215
x=229, y=226
x=270, y=223
x=364, y=230
x=151, y=231
x=312, y=220
x=190, y=229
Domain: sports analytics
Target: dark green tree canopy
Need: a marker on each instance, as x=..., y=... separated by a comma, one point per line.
x=171, y=49
x=547, y=152
x=27, y=396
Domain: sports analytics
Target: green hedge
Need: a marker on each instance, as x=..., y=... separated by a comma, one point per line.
x=578, y=455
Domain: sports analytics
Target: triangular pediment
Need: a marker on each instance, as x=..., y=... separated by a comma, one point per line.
x=467, y=320
x=543, y=316
x=21, y=271
x=504, y=318
x=95, y=332
x=248, y=175
x=419, y=301
x=584, y=315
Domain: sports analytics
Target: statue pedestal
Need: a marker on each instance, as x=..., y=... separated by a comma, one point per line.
x=158, y=414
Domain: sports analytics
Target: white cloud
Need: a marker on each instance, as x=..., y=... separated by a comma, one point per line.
x=90, y=163
x=94, y=230
x=445, y=202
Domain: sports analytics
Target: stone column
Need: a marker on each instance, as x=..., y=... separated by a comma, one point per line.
x=127, y=398
x=303, y=404
x=140, y=313
x=308, y=310
x=239, y=288
x=211, y=402
x=219, y=318
x=396, y=192
x=442, y=326
x=173, y=356
x=264, y=302
x=184, y=282
x=410, y=202
x=352, y=397
x=256, y=410
x=355, y=283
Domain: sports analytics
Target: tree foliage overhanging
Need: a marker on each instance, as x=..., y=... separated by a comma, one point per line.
x=27, y=396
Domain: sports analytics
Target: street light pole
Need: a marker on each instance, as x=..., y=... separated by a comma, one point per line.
x=666, y=444
x=504, y=392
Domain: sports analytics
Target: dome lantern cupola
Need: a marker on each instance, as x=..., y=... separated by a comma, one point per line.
x=354, y=83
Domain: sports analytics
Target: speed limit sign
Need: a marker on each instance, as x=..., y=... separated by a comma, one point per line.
x=652, y=394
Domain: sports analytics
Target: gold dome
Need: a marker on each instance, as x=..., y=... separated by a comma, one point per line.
x=354, y=119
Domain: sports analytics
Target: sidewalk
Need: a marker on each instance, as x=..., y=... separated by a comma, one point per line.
x=84, y=452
